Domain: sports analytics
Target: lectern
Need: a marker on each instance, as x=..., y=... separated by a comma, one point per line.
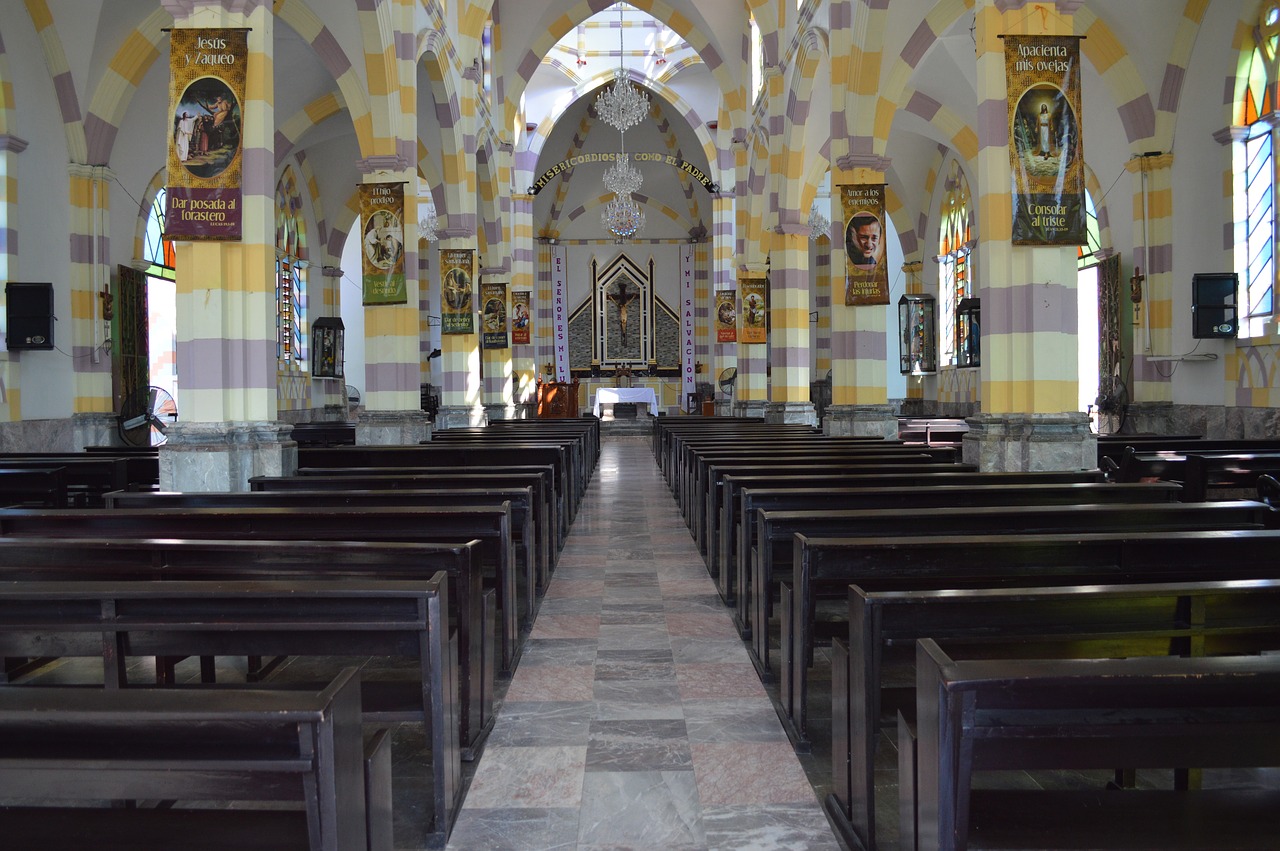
x=557, y=399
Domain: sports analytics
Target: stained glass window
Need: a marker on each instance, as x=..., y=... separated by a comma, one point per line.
x=291, y=268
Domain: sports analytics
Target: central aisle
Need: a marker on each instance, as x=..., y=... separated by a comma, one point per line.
x=635, y=719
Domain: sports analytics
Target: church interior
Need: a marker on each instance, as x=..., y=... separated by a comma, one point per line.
x=422, y=241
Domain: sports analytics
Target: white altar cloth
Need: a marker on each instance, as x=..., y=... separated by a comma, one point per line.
x=613, y=395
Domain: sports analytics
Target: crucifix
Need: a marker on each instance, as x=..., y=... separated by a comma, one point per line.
x=1135, y=291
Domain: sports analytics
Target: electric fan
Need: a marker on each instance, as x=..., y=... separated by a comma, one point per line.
x=145, y=417
x=353, y=397
x=1113, y=408
x=727, y=377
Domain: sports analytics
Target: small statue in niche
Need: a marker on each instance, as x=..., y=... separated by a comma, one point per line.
x=622, y=300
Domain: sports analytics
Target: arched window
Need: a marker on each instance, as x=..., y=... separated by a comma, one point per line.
x=1085, y=254
x=1256, y=171
x=291, y=273
x=955, y=261
x=157, y=250
x=757, y=58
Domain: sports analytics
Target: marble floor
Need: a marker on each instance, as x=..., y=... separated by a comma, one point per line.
x=635, y=719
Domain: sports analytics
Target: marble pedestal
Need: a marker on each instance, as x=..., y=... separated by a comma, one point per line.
x=860, y=421
x=459, y=416
x=494, y=411
x=392, y=428
x=216, y=457
x=749, y=407
x=724, y=407
x=791, y=413
x=96, y=429
x=1030, y=442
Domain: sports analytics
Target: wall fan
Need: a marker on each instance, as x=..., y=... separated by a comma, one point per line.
x=146, y=416
x=1113, y=408
x=727, y=377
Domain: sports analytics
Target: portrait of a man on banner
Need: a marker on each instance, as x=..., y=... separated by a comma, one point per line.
x=755, y=310
x=521, y=317
x=382, y=243
x=493, y=316
x=726, y=316
x=1045, y=154
x=866, y=271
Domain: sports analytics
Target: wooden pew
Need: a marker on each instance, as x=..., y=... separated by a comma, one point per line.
x=546, y=517
x=88, y=477
x=489, y=524
x=147, y=559
x=520, y=500
x=830, y=565
x=667, y=429
x=1113, y=446
x=1193, y=618
x=778, y=529
x=734, y=485
x=317, y=620
x=568, y=479
x=977, y=715
x=676, y=441
x=1197, y=472
x=752, y=500
x=44, y=487
x=585, y=433
x=82, y=746
x=324, y=433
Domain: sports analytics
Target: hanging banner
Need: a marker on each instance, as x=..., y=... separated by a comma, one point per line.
x=755, y=309
x=206, y=89
x=560, y=311
x=382, y=260
x=493, y=316
x=866, y=275
x=456, y=315
x=690, y=382
x=726, y=316
x=521, y=318
x=1045, y=133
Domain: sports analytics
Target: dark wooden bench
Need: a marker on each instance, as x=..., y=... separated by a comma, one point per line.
x=322, y=433
x=491, y=525
x=1199, y=473
x=777, y=530
x=81, y=746
x=677, y=441
x=520, y=499
x=147, y=559
x=88, y=477
x=42, y=487
x=979, y=715
x=705, y=505
x=752, y=500
x=1113, y=446
x=461, y=458
x=587, y=426
x=873, y=674
x=932, y=430
x=734, y=486
x=545, y=515
x=585, y=437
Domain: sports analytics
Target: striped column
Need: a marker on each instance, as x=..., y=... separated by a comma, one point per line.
x=497, y=362
x=702, y=306
x=1028, y=418
x=751, y=392
x=822, y=300
x=789, y=327
x=524, y=361
x=226, y=301
x=1153, y=334
x=543, y=315
x=859, y=351
x=90, y=274
x=10, y=364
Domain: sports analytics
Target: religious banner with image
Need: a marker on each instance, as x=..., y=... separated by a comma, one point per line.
x=688, y=362
x=1045, y=133
x=755, y=309
x=493, y=316
x=521, y=317
x=206, y=90
x=560, y=311
x=866, y=274
x=456, y=291
x=726, y=316
x=382, y=257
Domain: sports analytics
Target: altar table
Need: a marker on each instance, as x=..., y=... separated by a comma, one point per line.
x=614, y=395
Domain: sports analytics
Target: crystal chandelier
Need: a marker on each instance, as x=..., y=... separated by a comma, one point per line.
x=427, y=224
x=819, y=225
x=622, y=178
x=622, y=106
x=622, y=216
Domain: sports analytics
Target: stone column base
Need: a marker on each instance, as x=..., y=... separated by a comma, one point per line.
x=860, y=421
x=791, y=413
x=494, y=411
x=1154, y=418
x=724, y=407
x=749, y=407
x=336, y=414
x=392, y=428
x=217, y=457
x=96, y=429
x=459, y=417
x=1030, y=442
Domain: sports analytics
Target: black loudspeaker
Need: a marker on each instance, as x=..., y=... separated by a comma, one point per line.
x=28, y=316
x=1213, y=305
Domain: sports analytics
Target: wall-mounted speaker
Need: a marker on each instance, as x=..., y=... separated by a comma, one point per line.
x=28, y=315
x=1213, y=305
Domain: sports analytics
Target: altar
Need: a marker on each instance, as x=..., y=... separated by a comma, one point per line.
x=614, y=395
